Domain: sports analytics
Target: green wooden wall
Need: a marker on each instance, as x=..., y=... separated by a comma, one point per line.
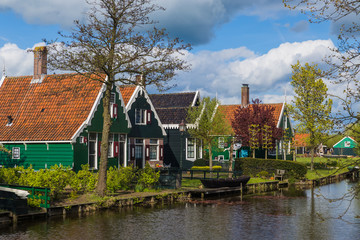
x=39, y=155
x=118, y=126
x=152, y=130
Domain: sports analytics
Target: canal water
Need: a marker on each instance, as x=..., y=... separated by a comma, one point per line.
x=287, y=214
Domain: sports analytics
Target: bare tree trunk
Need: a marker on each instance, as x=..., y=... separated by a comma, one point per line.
x=254, y=153
x=231, y=157
x=312, y=159
x=210, y=160
x=101, y=185
x=210, y=157
x=266, y=153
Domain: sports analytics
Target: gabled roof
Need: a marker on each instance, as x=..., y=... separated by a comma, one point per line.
x=174, y=100
x=172, y=108
x=229, y=111
x=346, y=137
x=127, y=91
x=53, y=110
x=129, y=94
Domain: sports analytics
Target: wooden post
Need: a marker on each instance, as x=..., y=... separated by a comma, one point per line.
x=241, y=191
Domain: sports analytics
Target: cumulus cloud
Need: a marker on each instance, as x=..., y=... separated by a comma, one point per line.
x=220, y=73
x=192, y=21
x=16, y=61
x=225, y=71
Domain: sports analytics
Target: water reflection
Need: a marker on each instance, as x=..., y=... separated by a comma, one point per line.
x=290, y=214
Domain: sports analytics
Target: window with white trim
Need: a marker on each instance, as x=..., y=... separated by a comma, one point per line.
x=190, y=148
x=140, y=116
x=15, y=153
x=154, y=146
x=221, y=142
x=111, y=146
x=113, y=106
x=198, y=148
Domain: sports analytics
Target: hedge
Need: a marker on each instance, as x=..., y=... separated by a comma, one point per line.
x=253, y=166
x=206, y=168
x=204, y=162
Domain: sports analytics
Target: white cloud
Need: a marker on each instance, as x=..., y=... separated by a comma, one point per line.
x=225, y=71
x=17, y=61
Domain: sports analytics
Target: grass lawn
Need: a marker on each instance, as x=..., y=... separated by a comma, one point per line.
x=342, y=165
x=319, y=173
x=341, y=161
x=196, y=183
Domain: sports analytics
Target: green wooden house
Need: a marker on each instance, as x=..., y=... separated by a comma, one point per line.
x=180, y=149
x=346, y=146
x=146, y=137
x=57, y=119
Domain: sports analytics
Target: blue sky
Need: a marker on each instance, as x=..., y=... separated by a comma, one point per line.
x=234, y=42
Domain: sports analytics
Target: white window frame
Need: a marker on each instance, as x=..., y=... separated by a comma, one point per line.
x=111, y=146
x=221, y=142
x=187, y=145
x=347, y=144
x=142, y=113
x=157, y=149
x=112, y=101
x=15, y=153
x=96, y=140
x=199, y=148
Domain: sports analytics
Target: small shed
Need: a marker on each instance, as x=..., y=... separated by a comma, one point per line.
x=345, y=146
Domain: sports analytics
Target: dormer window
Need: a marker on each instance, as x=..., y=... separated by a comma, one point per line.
x=9, y=121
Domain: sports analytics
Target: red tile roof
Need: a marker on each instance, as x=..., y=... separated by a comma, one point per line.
x=300, y=139
x=126, y=92
x=229, y=110
x=49, y=111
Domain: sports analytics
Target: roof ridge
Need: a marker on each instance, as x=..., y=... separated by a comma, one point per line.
x=172, y=93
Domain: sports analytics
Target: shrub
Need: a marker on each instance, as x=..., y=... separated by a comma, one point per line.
x=147, y=177
x=120, y=179
x=10, y=175
x=263, y=174
x=201, y=162
x=206, y=168
x=252, y=167
x=84, y=180
x=204, y=162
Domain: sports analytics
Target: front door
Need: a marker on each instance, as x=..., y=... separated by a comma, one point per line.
x=92, y=151
x=139, y=156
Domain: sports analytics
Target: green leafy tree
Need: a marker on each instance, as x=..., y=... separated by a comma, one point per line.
x=311, y=107
x=4, y=149
x=118, y=40
x=209, y=123
x=344, y=60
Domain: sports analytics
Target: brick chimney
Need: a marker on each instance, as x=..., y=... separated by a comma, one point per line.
x=140, y=80
x=245, y=95
x=40, y=62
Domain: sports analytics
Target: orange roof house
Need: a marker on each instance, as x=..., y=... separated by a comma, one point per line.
x=280, y=118
x=56, y=119
x=147, y=131
x=229, y=111
x=300, y=139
